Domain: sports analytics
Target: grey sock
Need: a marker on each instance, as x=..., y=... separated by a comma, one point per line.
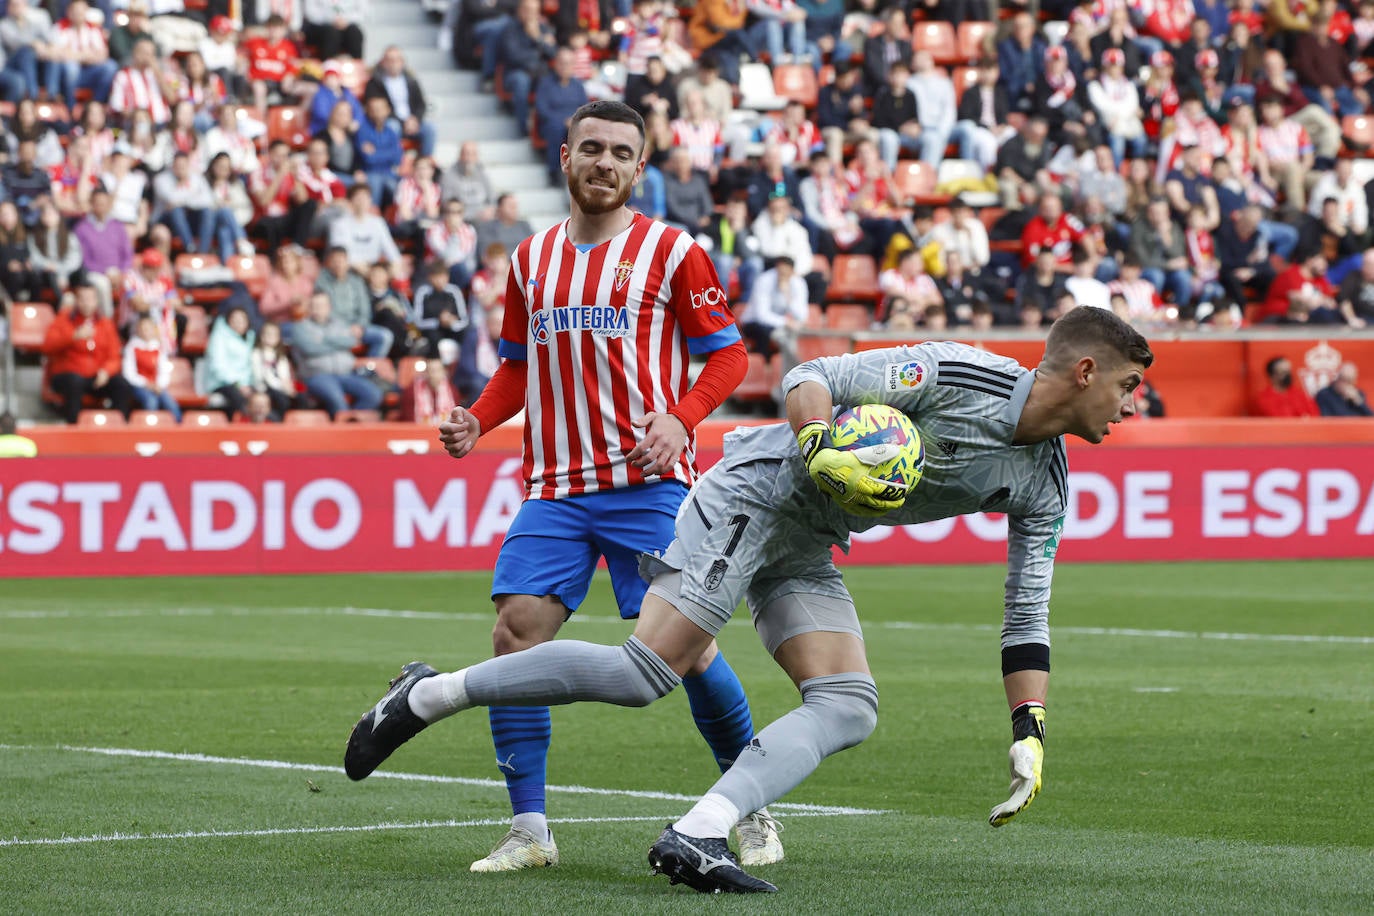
x=837, y=711
x=568, y=671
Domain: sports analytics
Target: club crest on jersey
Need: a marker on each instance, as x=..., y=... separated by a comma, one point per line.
x=598, y=320
x=906, y=376
x=715, y=574
x=622, y=273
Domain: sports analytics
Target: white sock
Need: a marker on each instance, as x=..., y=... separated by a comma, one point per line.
x=535, y=822
x=713, y=816
x=437, y=697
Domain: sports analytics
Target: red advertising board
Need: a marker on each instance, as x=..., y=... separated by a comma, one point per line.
x=377, y=512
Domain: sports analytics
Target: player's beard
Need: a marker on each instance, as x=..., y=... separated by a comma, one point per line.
x=598, y=204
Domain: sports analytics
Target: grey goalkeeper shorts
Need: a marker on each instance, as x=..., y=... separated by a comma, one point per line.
x=742, y=535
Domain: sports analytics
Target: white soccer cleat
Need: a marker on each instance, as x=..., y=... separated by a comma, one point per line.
x=519, y=849
x=759, y=843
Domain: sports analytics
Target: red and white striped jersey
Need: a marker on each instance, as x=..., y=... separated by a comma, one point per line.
x=418, y=200
x=82, y=38
x=701, y=140
x=322, y=186
x=160, y=295
x=452, y=246
x=1287, y=141
x=607, y=334
x=133, y=90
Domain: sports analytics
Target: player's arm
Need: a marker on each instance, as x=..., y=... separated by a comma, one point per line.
x=504, y=394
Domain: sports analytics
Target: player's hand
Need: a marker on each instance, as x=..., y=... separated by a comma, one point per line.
x=842, y=476
x=459, y=432
x=662, y=445
x=1027, y=756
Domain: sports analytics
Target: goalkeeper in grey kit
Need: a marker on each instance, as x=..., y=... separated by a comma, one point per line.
x=759, y=527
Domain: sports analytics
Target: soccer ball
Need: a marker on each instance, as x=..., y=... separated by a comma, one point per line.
x=885, y=440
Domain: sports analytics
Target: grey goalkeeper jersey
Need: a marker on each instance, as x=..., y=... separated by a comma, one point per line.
x=966, y=404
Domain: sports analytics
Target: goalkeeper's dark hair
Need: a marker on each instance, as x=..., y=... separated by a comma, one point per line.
x=1088, y=331
x=608, y=110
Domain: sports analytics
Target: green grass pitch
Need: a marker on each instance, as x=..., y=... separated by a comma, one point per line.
x=1210, y=749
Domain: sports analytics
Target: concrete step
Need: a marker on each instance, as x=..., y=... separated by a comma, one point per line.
x=408, y=33
x=454, y=110
x=525, y=176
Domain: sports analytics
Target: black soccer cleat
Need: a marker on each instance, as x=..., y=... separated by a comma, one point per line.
x=706, y=865
x=386, y=726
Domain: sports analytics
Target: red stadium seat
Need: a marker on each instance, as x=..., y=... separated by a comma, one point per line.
x=410, y=367
x=197, y=335
x=915, y=181
x=964, y=78
x=358, y=416
x=252, y=272
x=306, y=418
x=854, y=276
x=937, y=37
x=182, y=387
x=152, y=419
x=971, y=39
x=286, y=122
x=199, y=419
x=848, y=316
x=796, y=83
x=760, y=380
x=98, y=418
x=29, y=323
x=1358, y=131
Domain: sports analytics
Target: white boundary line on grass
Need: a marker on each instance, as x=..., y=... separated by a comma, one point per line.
x=469, y=617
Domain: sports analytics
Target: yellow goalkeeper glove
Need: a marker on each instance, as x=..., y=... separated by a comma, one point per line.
x=1027, y=756
x=842, y=476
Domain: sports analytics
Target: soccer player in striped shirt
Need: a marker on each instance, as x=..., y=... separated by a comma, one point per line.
x=761, y=524
x=602, y=314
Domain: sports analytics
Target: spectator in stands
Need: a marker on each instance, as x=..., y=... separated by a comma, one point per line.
x=687, y=194
x=1021, y=60
x=842, y=112
x=467, y=181
x=1287, y=151
x=1061, y=98
x=1356, y=295
x=1117, y=102
x=453, y=241
x=964, y=234
x=391, y=310
x=73, y=180
x=659, y=140
x=324, y=348
x=1024, y=159
x=257, y=409
x=832, y=225
x=556, y=97
x=1140, y=301
x=910, y=282
x=770, y=174
x=288, y=288
x=20, y=281
x=1202, y=258
x=283, y=206
x=476, y=33
x=1038, y=288
x=1323, y=70
x=700, y=134
x=890, y=46
x=1052, y=228
x=488, y=288
x=83, y=352
x=25, y=33
x=776, y=309
x=127, y=186
x=506, y=228
x=54, y=251
x=151, y=148
x=1157, y=242
x=1083, y=286
x=1328, y=234
x=26, y=125
x=779, y=28
x=330, y=92
x=106, y=249
x=1352, y=205
x=231, y=207
x=1244, y=252
x=934, y=92
x=142, y=85
x=147, y=368
x=334, y=27
x=959, y=289
x=478, y=359
x=339, y=133
x=981, y=125
x=324, y=188
x=431, y=397
x=1281, y=397
x=873, y=196
x=1301, y=294
x=393, y=80
x=1323, y=130
x=419, y=201
x=362, y=234
x=228, y=137
x=350, y=302
x=653, y=90
x=379, y=150
x=780, y=234
x=220, y=51
x=526, y=46
x=183, y=203
x=441, y=314
x=100, y=137
x=794, y=135
x=272, y=63
x=78, y=57
x=1343, y=397
x=150, y=290
x=1186, y=187
x=717, y=30
x=123, y=36
x=718, y=99
x=732, y=246
x=273, y=377
x=896, y=117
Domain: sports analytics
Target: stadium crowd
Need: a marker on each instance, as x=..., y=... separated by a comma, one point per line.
x=920, y=168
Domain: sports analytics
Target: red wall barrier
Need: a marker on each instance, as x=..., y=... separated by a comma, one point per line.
x=379, y=512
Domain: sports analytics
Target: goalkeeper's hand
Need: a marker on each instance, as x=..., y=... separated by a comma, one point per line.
x=842, y=476
x=1027, y=757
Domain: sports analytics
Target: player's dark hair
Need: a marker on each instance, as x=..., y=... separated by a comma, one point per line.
x=1086, y=330
x=608, y=110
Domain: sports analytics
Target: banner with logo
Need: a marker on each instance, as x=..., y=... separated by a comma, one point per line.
x=299, y=514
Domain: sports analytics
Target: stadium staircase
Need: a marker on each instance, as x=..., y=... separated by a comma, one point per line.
x=461, y=111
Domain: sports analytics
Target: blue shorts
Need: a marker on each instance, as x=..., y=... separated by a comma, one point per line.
x=553, y=544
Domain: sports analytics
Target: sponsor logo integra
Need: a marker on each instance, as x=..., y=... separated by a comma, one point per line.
x=600, y=320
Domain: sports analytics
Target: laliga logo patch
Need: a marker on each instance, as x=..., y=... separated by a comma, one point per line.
x=622, y=273
x=905, y=375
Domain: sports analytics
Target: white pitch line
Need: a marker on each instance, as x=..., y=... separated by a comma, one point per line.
x=790, y=807
x=469, y=617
